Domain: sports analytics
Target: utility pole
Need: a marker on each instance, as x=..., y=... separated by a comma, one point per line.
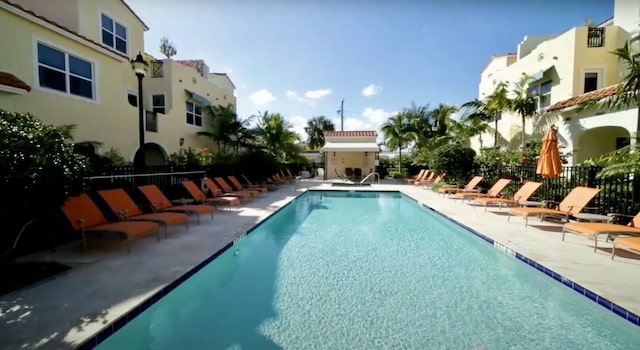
x=341, y=110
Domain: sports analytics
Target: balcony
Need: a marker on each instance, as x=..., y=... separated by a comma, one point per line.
x=151, y=121
x=595, y=37
x=156, y=69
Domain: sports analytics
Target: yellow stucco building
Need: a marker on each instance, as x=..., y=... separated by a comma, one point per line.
x=563, y=68
x=70, y=64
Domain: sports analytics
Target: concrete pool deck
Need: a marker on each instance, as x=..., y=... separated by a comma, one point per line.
x=105, y=282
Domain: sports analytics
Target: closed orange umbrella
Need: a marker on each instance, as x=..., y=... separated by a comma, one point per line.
x=549, y=164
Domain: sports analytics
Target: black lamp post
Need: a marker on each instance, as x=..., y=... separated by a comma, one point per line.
x=141, y=68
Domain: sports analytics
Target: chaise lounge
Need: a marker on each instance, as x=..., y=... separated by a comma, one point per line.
x=523, y=194
x=595, y=230
x=573, y=203
x=86, y=218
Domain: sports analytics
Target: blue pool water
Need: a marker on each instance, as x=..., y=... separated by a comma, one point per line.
x=357, y=270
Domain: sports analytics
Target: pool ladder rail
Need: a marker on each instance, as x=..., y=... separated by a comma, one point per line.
x=368, y=176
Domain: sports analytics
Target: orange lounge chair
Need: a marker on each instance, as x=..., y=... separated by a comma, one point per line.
x=573, y=203
x=249, y=184
x=469, y=187
x=594, y=229
x=229, y=190
x=430, y=180
x=216, y=199
x=85, y=217
x=127, y=210
x=493, y=192
x=630, y=244
x=427, y=177
x=523, y=194
x=419, y=176
x=159, y=202
x=239, y=186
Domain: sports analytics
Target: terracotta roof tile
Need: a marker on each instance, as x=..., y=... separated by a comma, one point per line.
x=64, y=28
x=589, y=96
x=8, y=79
x=350, y=133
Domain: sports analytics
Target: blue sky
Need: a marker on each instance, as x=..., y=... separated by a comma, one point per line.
x=301, y=58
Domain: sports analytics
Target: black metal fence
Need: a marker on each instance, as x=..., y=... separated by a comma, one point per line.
x=617, y=194
x=166, y=177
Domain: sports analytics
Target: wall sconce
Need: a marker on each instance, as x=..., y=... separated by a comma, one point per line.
x=181, y=141
x=366, y=154
x=334, y=154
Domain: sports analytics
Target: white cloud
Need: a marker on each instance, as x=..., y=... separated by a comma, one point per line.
x=299, y=122
x=261, y=97
x=317, y=94
x=294, y=96
x=371, y=90
x=369, y=119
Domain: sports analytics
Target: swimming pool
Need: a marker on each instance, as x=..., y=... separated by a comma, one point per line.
x=369, y=270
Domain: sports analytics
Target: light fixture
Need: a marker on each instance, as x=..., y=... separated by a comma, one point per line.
x=366, y=154
x=334, y=154
x=181, y=141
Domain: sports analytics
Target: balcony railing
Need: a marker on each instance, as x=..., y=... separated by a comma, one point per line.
x=151, y=121
x=595, y=37
x=156, y=69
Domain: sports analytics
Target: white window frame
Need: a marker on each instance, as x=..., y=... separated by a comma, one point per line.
x=598, y=71
x=153, y=107
x=194, y=114
x=113, y=32
x=546, y=96
x=67, y=73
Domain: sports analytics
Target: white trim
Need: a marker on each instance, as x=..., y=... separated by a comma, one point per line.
x=598, y=70
x=13, y=90
x=62, y=32
x=67, y=52
x=113, y=19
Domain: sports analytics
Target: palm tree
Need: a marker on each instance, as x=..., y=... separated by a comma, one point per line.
x=490, y=110
x=524, y=103
x=422, y=120
x=226, y=128
x=443, y=121
x=398, y=133
x=315, y=130
x=276, y=136
x=469, y=126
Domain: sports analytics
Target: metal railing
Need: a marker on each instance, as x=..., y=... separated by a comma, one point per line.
x=156, y=69
x=595, y=37
x=129, y=177
x=368, y=176
x=151, y=121
x=619, y=194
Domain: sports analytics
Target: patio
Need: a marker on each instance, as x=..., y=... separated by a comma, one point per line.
x=61, y=312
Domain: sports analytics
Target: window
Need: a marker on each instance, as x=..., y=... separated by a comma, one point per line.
x=590, y=81
x=114, y=34
x=157, y=103
x=58, y=70
x=543, y=92
x=133, y=99
x=194, y=114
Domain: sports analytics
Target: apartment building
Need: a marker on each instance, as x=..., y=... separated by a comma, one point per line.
x=70, y=63
x=562, y=67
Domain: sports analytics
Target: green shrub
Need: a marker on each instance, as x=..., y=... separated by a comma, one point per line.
x=38, y=168
x=454, y=159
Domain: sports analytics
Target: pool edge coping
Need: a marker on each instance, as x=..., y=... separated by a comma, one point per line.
x=618, y=310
